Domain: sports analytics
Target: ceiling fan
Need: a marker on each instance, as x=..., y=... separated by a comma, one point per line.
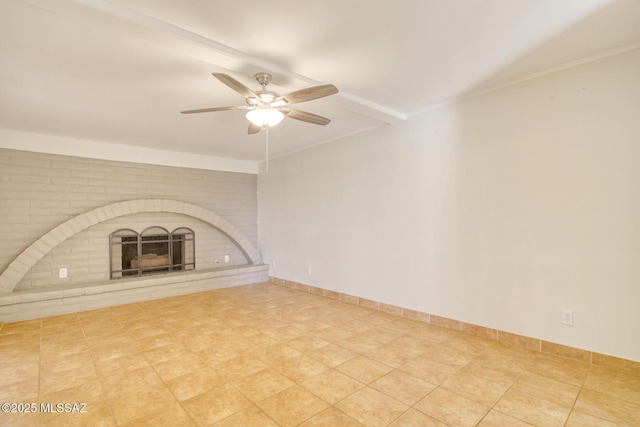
x=266, y=108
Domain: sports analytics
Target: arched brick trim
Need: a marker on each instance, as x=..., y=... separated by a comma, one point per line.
x=20, y=266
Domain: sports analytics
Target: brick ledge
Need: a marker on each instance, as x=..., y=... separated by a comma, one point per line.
x=35, y=303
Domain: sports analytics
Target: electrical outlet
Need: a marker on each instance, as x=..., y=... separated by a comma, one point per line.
x=62, y=273
x=567, y=317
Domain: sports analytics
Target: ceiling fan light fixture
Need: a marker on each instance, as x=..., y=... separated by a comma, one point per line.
x=265, y=117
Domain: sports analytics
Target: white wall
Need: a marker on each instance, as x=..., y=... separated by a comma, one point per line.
x=501, y=210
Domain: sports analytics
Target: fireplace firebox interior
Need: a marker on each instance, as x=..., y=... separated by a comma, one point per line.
x=154, y=250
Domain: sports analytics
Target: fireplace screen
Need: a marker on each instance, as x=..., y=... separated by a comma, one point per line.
x=154, y=250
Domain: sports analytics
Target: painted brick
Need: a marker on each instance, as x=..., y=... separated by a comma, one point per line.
x=50, y=189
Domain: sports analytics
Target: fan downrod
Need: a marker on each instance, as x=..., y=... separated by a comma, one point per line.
x=263, y=79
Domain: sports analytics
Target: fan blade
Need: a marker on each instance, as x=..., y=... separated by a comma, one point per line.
x=235, y=85
x=253, y=128
x=210, y=110
x=310, y=93
x=305, y=116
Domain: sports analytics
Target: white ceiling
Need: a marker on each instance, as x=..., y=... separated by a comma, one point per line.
x=121, y=71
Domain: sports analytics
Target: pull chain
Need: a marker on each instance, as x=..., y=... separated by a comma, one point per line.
x=267, y=148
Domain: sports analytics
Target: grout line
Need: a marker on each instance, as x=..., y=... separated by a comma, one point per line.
x=376, y=307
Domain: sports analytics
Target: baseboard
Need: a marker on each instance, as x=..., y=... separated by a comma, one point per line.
x=535, y=344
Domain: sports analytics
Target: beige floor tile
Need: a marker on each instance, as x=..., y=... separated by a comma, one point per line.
x=449, y=356
x=415, y=418
x=259, y=342
x=19, y=351
x=546, y=388
x=141, y=403
x=24, y=390
x=156, y=341
x=407, y=325
x=364, y=369
x=128, y=382
x=61, y=320
x=607, y=407
x=15, y=372
x=236, y=332
x=307, y=343
x=119, y=365
x=581, y=419
x=412, y=344
x=251, y=416
x=215, y=405
x=98, y=330
x=383, y=334
x=533, y=409
x=331, y=417
x=117, y=348
x=613, y=383
x=96, y=413
x=332, y=355
x=57, y=381
x=262, y=384
x=88, y=392
x=332, y=385
x=20, y=419
x=428, y=370
x=285, y=333
x=201, y=341
x=312, y=324
x=498, y=419
x=452, y=408
x=241, y=366
x=402, y=387
x=300, y=368
x=109, y=339
x=22, y=326
x=63, y=333
x=377, y=318
x=357, y=326
x=169, y=417
x=28, y=336
x=334, y=334
x=176, y=367
x=194, y=383
x=17, y=357
x=359, y=343
x=206, y=358
x=371, y=408
x=147, y=331
x=392, y=354
x=496, y=371
x=277, y=354
x=165, y=353
x=475, y=388
x=223, y=352
x=292, y=406
x=469, y=344
x=560, y=369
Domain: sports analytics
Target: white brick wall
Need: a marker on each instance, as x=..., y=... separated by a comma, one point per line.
x=40, y=191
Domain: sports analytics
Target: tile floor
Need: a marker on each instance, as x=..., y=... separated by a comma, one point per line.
x=265, y=355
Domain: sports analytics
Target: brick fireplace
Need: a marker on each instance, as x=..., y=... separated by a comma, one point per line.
x=63, y=210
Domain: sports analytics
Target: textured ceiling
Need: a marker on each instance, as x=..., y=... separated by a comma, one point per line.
x=121, y=71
